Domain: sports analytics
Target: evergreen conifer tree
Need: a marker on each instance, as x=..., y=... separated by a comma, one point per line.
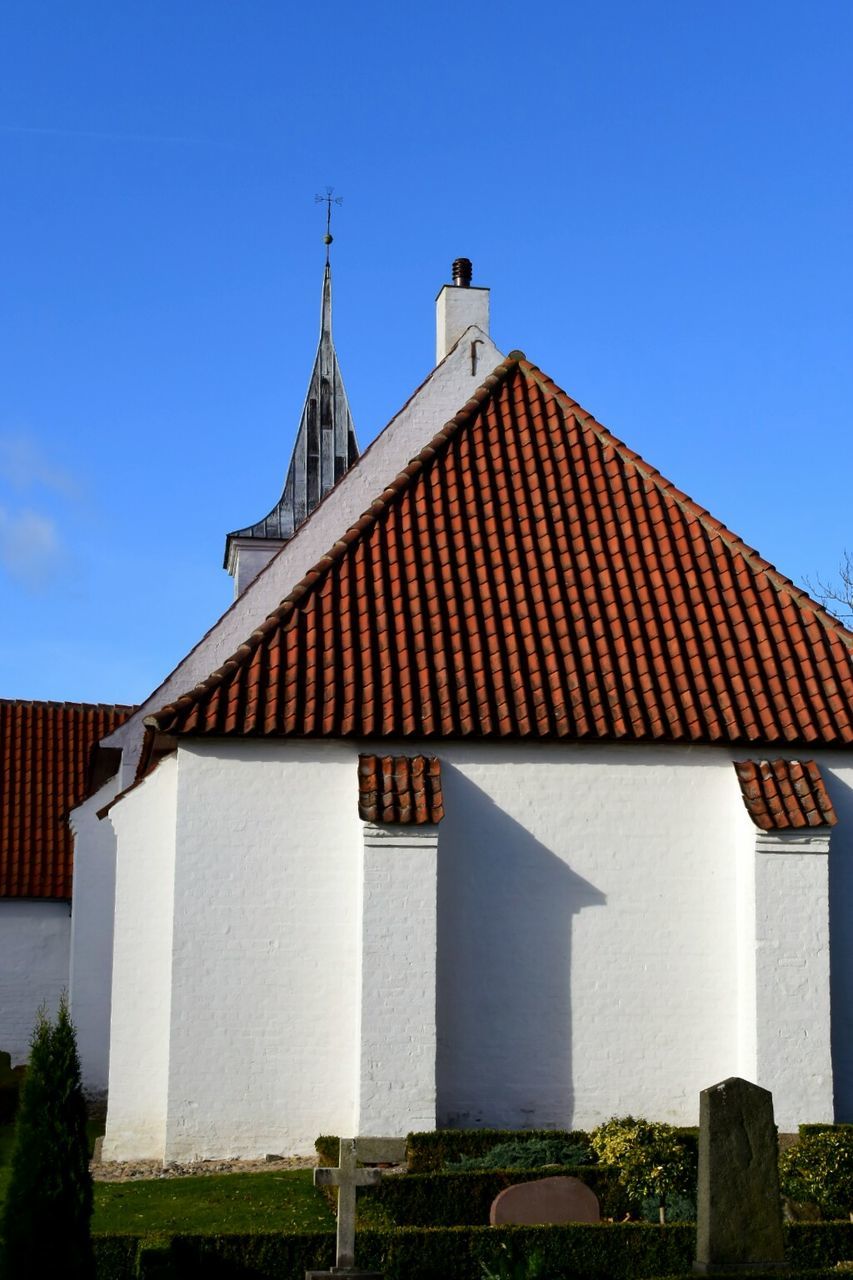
x=46, y=1220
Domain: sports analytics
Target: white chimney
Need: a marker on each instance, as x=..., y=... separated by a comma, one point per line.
x=457, y=307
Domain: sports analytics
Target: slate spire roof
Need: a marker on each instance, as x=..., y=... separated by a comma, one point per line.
x=529, y=576
x=325, y=441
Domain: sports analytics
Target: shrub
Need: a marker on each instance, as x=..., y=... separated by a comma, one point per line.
x=11, y=1079
x=593, y=1252
x=819, y=1168
x=676, y=1209
x=653, y=1159
x=518, y=1265
x=328, y=1149
x=531, y=1153
x=456, y=1199
x=435, y=1148
x=49, y=1202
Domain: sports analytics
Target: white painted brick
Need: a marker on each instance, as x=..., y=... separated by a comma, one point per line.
x=91, y=960
x=34, y=942
x=592, y=952
x=397, y=980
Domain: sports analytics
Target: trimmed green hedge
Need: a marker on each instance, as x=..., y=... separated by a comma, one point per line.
x=449, y=1199
x=328, y=1149
x=807, y=1130
x=115, y=1256
x=819, y=1244
x=605, y=1252
x=438, y=1253
x=832, y=1274
x=430, y=1151
x=433, y=1149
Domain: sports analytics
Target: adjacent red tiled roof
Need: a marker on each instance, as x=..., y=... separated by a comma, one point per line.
x=405, y=789
x=780, y=794
x=44, y=755
x=529, y=576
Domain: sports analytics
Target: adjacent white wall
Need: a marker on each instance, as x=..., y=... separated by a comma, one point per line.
x=590, y=950
x=838, y=775
x=793, y=1016
x=263, y=1035
x=92, y=914
x=396, y=980
x=142, y=967
x=587, y=946
x=34, y=942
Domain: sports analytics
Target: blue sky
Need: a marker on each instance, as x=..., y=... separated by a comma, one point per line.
x=658, y=195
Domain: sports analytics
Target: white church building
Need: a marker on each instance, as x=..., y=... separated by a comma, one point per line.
x=512, y=790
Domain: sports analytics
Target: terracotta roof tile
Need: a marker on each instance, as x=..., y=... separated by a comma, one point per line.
x=44, y=756
x=404, y=789
x=784, y=794
x=528, y=575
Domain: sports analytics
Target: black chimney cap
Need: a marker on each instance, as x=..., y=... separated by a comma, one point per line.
x=462, y=271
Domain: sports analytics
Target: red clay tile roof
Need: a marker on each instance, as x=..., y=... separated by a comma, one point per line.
x=527, y=575
x=405, y=789
x=780, y=794
x=44, y=755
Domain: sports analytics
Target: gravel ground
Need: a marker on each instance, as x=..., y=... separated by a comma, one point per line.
x=138, y=1170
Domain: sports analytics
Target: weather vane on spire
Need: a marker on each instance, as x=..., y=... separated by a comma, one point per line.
x=328, y=200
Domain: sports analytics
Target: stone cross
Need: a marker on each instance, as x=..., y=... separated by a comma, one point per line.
x=347, y=1177
x=739, y=1213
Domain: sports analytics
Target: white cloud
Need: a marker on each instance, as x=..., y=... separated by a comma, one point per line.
x=30, y=548
x=25, y=465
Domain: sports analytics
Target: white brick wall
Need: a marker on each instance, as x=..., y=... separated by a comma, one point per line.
x=91, y=967
x=34, y=939
x=792, y=974
x=264, y=1011
x=592, y=957
x=396, y=985
x=587, y=959
x=142, y=968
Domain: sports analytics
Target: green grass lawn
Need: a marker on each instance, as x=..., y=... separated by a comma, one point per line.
x=278, y=1201
x=284, y=1201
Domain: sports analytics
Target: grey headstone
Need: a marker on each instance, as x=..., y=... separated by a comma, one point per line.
x=380, y=1150
x=342, y=1273
x=739, y=1212
x=347, y=1177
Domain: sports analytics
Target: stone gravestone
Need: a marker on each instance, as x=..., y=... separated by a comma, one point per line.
x=347, y=1177
x=739, y=1212
x=545, y=1201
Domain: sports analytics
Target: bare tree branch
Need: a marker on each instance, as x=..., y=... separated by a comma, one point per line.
x=835, y=596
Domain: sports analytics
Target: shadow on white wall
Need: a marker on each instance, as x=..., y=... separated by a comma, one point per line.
x=841, y=946
x=505, y=908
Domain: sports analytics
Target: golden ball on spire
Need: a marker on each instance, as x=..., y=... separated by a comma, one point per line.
x=327, y=239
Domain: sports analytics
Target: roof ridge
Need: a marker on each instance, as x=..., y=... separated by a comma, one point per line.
x=322, y=566
x=779, y=602
x=69, y=706
x=687, y=504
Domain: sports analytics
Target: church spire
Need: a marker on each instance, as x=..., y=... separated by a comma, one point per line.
x=325, y=447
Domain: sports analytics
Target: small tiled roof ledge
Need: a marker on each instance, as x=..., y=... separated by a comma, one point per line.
x=785, y=796
x=399, y=790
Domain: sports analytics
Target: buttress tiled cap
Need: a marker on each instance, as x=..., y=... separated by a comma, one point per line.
x=782, y=795
x=400, y=789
